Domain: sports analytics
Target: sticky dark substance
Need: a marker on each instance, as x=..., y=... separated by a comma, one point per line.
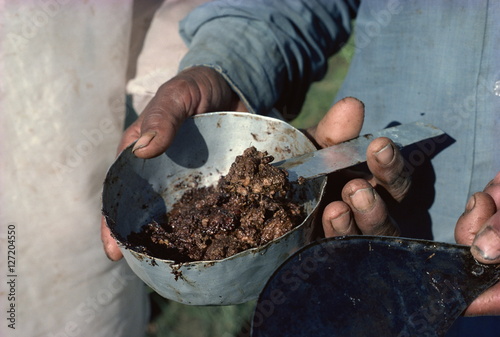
x=247, y=208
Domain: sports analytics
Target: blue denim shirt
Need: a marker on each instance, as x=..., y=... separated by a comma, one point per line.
x=433, y=61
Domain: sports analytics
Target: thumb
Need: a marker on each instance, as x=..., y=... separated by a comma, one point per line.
x=157, y=125
x=109, y=244
x=341, y=123
x=486, y=244
x=157, y=131
x=193, y=91
x=480, y=207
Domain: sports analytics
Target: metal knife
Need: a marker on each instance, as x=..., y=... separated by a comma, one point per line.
x=352, y=152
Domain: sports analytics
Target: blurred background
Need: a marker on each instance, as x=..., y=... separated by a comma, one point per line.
x=172, y=319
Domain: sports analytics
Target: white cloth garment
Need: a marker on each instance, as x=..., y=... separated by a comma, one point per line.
x=63, y=67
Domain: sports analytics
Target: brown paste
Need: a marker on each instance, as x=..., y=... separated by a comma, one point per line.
x=248, y=207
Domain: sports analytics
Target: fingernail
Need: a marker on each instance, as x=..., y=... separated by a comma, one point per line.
x=385, y=155
x=487, y=244
x=363, y=199
x=470, y=204
x=143, y=141
x=341, y=223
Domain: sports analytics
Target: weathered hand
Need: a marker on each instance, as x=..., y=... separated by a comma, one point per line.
x=479, y=226
x=362, y=210
x=193, y=91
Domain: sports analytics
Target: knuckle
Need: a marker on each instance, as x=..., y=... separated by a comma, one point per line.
x=399, y=186
x=387, y=228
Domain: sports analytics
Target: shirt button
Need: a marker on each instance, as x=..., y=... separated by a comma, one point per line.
x=496, y=89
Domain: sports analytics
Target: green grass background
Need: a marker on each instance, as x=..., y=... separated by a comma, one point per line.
x=172, y=319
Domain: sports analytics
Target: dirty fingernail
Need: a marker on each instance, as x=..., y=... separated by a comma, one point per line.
x=341, y=223
x=143, y=141
x=363, y=199
x=385, y=155
x=487, y=244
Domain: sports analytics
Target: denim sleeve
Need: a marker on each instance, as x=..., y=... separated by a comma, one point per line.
x=269, y=51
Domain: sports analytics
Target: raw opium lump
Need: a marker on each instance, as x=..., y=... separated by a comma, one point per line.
x=247, y=208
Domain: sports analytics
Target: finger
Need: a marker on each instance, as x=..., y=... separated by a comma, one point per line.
x=479, y=208
x=130, y=135
x=493, y=189
x=338, y=220
x=488, y=303
x=193, y=91
x=342, y=122
x=486, y=244
x=388, y=168
x=109, y=243
x=369, y=210
x=160, y=121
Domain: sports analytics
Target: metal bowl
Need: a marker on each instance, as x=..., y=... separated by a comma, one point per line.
x=137, y=192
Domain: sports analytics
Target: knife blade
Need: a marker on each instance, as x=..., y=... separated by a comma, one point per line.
x=340, y=156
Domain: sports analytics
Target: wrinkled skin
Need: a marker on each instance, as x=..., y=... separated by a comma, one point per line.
x=479, y=226
x=361, y=210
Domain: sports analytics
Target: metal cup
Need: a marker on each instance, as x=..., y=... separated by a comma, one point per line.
x=137, y=192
